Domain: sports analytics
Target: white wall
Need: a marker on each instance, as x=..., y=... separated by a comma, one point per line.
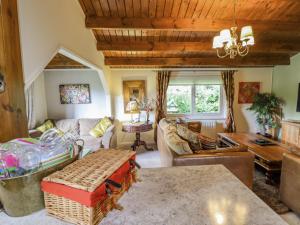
x=245, y=119
x=48, y=25
x=286, y=81
x=39, y=100
x=59, y=111
x=117, y=77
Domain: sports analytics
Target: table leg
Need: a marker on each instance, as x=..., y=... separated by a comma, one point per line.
x=138, y=143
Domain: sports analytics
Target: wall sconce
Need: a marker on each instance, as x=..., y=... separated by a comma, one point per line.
x=2, y=83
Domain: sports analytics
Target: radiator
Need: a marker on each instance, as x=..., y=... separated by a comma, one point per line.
x=210, y=128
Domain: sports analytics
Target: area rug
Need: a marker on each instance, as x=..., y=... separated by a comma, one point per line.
x=268, y=193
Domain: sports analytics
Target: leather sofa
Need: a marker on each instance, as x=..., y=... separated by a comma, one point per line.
x=290, y=181
x=240, y=163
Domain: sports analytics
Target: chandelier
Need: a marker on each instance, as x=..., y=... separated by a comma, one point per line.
x=229, y=44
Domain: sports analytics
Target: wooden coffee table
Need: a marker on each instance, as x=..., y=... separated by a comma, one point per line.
x=268, y=157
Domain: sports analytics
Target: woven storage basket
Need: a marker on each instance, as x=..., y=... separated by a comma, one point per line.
x=82, y=193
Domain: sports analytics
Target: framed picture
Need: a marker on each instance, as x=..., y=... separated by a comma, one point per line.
x=74, y=94
x=133, y=90
x=247, y=91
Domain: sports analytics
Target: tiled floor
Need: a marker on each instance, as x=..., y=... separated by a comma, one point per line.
x=151, y=159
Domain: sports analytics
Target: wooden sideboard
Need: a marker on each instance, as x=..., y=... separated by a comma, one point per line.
x=291, y=133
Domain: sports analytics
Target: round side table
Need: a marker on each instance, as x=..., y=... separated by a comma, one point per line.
x=137, y=128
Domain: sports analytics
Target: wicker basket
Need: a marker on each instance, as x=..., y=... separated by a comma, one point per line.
x=87, y=176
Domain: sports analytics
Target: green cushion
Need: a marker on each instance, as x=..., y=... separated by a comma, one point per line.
x=101, y=127
x=45, y=126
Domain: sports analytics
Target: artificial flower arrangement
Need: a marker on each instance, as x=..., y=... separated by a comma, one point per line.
x=147, y=105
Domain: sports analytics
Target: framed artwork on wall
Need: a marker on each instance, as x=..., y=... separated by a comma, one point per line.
x=133, y=90
x=247, y=91
x=75, y=94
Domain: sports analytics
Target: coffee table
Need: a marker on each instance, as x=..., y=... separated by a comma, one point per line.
x=268, y=157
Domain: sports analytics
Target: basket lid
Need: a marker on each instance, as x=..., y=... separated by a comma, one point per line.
x=90, y=172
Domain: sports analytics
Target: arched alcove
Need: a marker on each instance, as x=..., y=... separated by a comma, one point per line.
x=65, y=68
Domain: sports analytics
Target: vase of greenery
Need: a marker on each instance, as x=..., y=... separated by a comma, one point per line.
x=268, y=110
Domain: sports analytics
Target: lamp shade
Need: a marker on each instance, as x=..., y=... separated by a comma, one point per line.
x=217, y=43
x=225, y=36
x=247, y=34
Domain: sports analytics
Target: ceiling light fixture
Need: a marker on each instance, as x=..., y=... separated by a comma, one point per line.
x=228, y=42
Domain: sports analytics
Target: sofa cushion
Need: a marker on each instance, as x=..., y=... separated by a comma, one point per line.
x=189, y=136
x=167, y=126
x=91, y=142
x=178, y=145
x=206, y=142
x=100, y=129
x=45, y=126
x=68, y=125
x=86, y=125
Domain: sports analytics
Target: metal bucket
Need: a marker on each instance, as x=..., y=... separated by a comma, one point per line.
x=21, y=196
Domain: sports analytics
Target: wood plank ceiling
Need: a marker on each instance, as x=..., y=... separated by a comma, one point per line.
x=60, y=61
x=179, y=33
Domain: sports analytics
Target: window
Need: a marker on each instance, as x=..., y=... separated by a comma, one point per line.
x=195, y=99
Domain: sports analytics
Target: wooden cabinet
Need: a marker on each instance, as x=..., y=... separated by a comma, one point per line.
x=291, y=132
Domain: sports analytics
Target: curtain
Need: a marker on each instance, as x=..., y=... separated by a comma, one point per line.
x=162, y=83
x=29, y=95
x=228, y=81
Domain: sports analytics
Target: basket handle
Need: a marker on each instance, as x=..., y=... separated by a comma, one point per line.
x=113, y=183
x=133, y=162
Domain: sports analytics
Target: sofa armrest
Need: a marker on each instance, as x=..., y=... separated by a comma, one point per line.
x=241, y=164
x=107, y=137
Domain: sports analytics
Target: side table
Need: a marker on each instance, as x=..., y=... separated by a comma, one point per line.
x=138, y=128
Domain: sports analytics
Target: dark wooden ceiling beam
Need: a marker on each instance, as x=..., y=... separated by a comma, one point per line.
x=185, y=24
x=201, y=46
x=250, y=61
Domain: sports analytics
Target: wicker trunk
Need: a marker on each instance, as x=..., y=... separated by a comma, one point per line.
x=85, y=191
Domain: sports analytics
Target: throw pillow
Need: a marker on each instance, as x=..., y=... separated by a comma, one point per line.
x=207, y=143
x=45, y=126
x=178, y=145
x=190, y=136
x=101, y=127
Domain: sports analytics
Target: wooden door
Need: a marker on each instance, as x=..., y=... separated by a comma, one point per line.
x=13, y=120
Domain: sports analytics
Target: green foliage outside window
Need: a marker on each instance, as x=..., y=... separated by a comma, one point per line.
x=179, y=99
x=206, y=99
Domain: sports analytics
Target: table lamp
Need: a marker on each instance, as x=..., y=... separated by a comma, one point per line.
x=133, y=108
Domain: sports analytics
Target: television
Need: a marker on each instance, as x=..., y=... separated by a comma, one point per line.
x=298, y=101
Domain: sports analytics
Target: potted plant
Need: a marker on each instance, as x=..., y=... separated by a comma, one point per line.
x=268, y=110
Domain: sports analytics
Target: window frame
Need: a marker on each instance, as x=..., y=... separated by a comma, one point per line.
x=195, y=115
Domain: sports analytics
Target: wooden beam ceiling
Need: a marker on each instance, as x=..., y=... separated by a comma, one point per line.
x=203, y=61
x=199, y=46
x=179, y=33
x=186, y=24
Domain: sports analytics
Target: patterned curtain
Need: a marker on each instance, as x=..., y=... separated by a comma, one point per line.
x=228, y=81
x=29, y=93
x=162, y=83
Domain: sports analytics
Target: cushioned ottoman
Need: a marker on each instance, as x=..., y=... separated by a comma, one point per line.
x=85, y=191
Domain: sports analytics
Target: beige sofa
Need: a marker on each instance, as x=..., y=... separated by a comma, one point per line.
x=82, y=127
x=240, y=163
